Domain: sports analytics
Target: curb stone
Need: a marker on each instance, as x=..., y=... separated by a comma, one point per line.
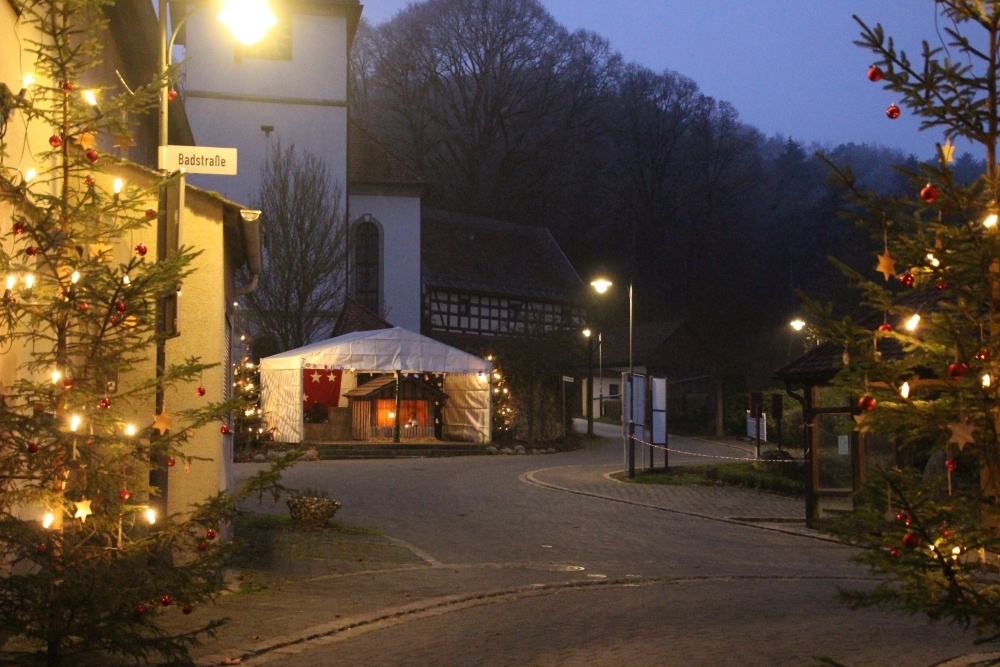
x=529, y=478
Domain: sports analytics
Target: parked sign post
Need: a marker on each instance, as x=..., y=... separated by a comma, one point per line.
x=565, y=379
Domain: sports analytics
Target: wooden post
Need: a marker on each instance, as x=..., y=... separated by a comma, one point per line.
x=399, y=391
x=810, y=436
x=720, y=409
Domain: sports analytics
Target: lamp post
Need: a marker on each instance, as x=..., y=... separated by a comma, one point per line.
x=588, y=334
x=601, y=286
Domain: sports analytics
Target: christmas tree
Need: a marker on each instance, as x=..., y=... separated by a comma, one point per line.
x=90, y=568
x=249, y=424
x=924, y=365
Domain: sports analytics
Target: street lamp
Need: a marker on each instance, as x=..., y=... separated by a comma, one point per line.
x=798, y=325
x=248, y=20
x=601, y=285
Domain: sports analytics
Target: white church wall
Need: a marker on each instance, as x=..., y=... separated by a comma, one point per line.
x=399, y=218
x=229, y=99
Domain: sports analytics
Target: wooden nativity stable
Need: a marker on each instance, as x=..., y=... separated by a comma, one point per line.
x=377, y=406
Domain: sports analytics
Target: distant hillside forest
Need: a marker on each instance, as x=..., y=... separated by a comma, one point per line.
x=508, y=114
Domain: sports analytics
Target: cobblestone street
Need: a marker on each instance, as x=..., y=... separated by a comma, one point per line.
x=544, y=560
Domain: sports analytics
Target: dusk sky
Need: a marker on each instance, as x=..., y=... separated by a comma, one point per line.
x=788, y=66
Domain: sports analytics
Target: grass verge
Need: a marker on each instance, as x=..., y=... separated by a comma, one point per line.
x=762, y=476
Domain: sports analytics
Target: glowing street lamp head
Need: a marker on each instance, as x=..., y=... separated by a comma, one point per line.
x=586, y=333
x=798, y=325
x=248, y=19
x=601, y=285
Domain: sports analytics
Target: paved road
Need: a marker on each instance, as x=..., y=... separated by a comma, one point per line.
x=517, y=574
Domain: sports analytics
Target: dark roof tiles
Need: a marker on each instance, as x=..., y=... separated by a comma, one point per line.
x=481, y=255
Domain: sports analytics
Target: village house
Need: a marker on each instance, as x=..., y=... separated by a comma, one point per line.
x=199, y=319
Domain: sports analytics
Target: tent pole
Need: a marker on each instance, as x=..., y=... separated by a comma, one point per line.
x=399, y=389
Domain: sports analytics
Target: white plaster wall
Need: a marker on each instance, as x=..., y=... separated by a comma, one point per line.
x=321, y=131
x=400, y=220
x=317, y=70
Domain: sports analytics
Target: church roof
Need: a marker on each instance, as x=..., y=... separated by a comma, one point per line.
x=486, y=256
x=371, y=163
x=355, y=317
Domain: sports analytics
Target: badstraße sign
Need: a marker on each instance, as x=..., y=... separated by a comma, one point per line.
x=199, y=159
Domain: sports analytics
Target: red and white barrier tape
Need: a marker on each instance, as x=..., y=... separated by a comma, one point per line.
x=749, y=457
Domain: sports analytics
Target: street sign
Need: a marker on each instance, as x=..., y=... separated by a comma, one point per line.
x=199, y=159
x=566, y=378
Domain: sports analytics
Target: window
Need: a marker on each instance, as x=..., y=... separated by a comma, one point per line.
x=275, y=45
x=614, y=390
x=367, y=267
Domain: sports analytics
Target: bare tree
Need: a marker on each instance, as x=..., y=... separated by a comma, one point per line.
x=482, y=96
x=301, y=287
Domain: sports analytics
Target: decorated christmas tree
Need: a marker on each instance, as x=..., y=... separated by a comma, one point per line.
x=924, y=364
x=249, y=425
x=89, y=565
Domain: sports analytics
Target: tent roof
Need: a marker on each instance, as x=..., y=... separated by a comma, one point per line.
x=384, y=350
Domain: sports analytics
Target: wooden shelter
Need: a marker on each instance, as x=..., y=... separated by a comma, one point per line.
x=375, y=404
x=837, y=453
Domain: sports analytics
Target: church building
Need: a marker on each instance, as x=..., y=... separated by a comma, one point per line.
x=429, y=272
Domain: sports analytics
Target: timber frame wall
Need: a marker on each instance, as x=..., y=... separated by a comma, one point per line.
x=451, y=312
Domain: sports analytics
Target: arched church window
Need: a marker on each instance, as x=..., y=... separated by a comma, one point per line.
x=367, y=260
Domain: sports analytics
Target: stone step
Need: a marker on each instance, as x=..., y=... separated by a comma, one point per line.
x=349, y=451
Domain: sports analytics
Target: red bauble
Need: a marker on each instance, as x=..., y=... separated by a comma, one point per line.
x=951, y=465
x=200, y=391
x=89, y=180
x=105, y=403
x=929, y=194
x=140, y=249
x=55, y=141
x=151, y=213
x=67, y=87
x=895, y=553
x=911, y=540
x=171, y=462
x=18, y=227
x=907, y=279
x=92, y=155
x=983, y=355
x=210, y=534
x=224, y=429
x=166, y=601
x=68, y=384
x=43, y=549
x=957, y=370
x=120, y=306
x=113, y=320
x=125, y=494
x=945, y=533
x=82, y=307
x=867, y=403
x=885, y=328
x=140, y=610
x=874, y=74
x=892, y=112
x=187, y=609
x=202, y=546
x=172, y=95
x=942, y=284
x=31, y=251
x=903, y=518
x=33, y=448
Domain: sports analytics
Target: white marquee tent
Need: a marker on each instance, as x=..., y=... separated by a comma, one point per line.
x=466, y=414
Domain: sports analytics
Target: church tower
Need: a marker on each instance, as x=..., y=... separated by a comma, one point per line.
x=292, y=86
